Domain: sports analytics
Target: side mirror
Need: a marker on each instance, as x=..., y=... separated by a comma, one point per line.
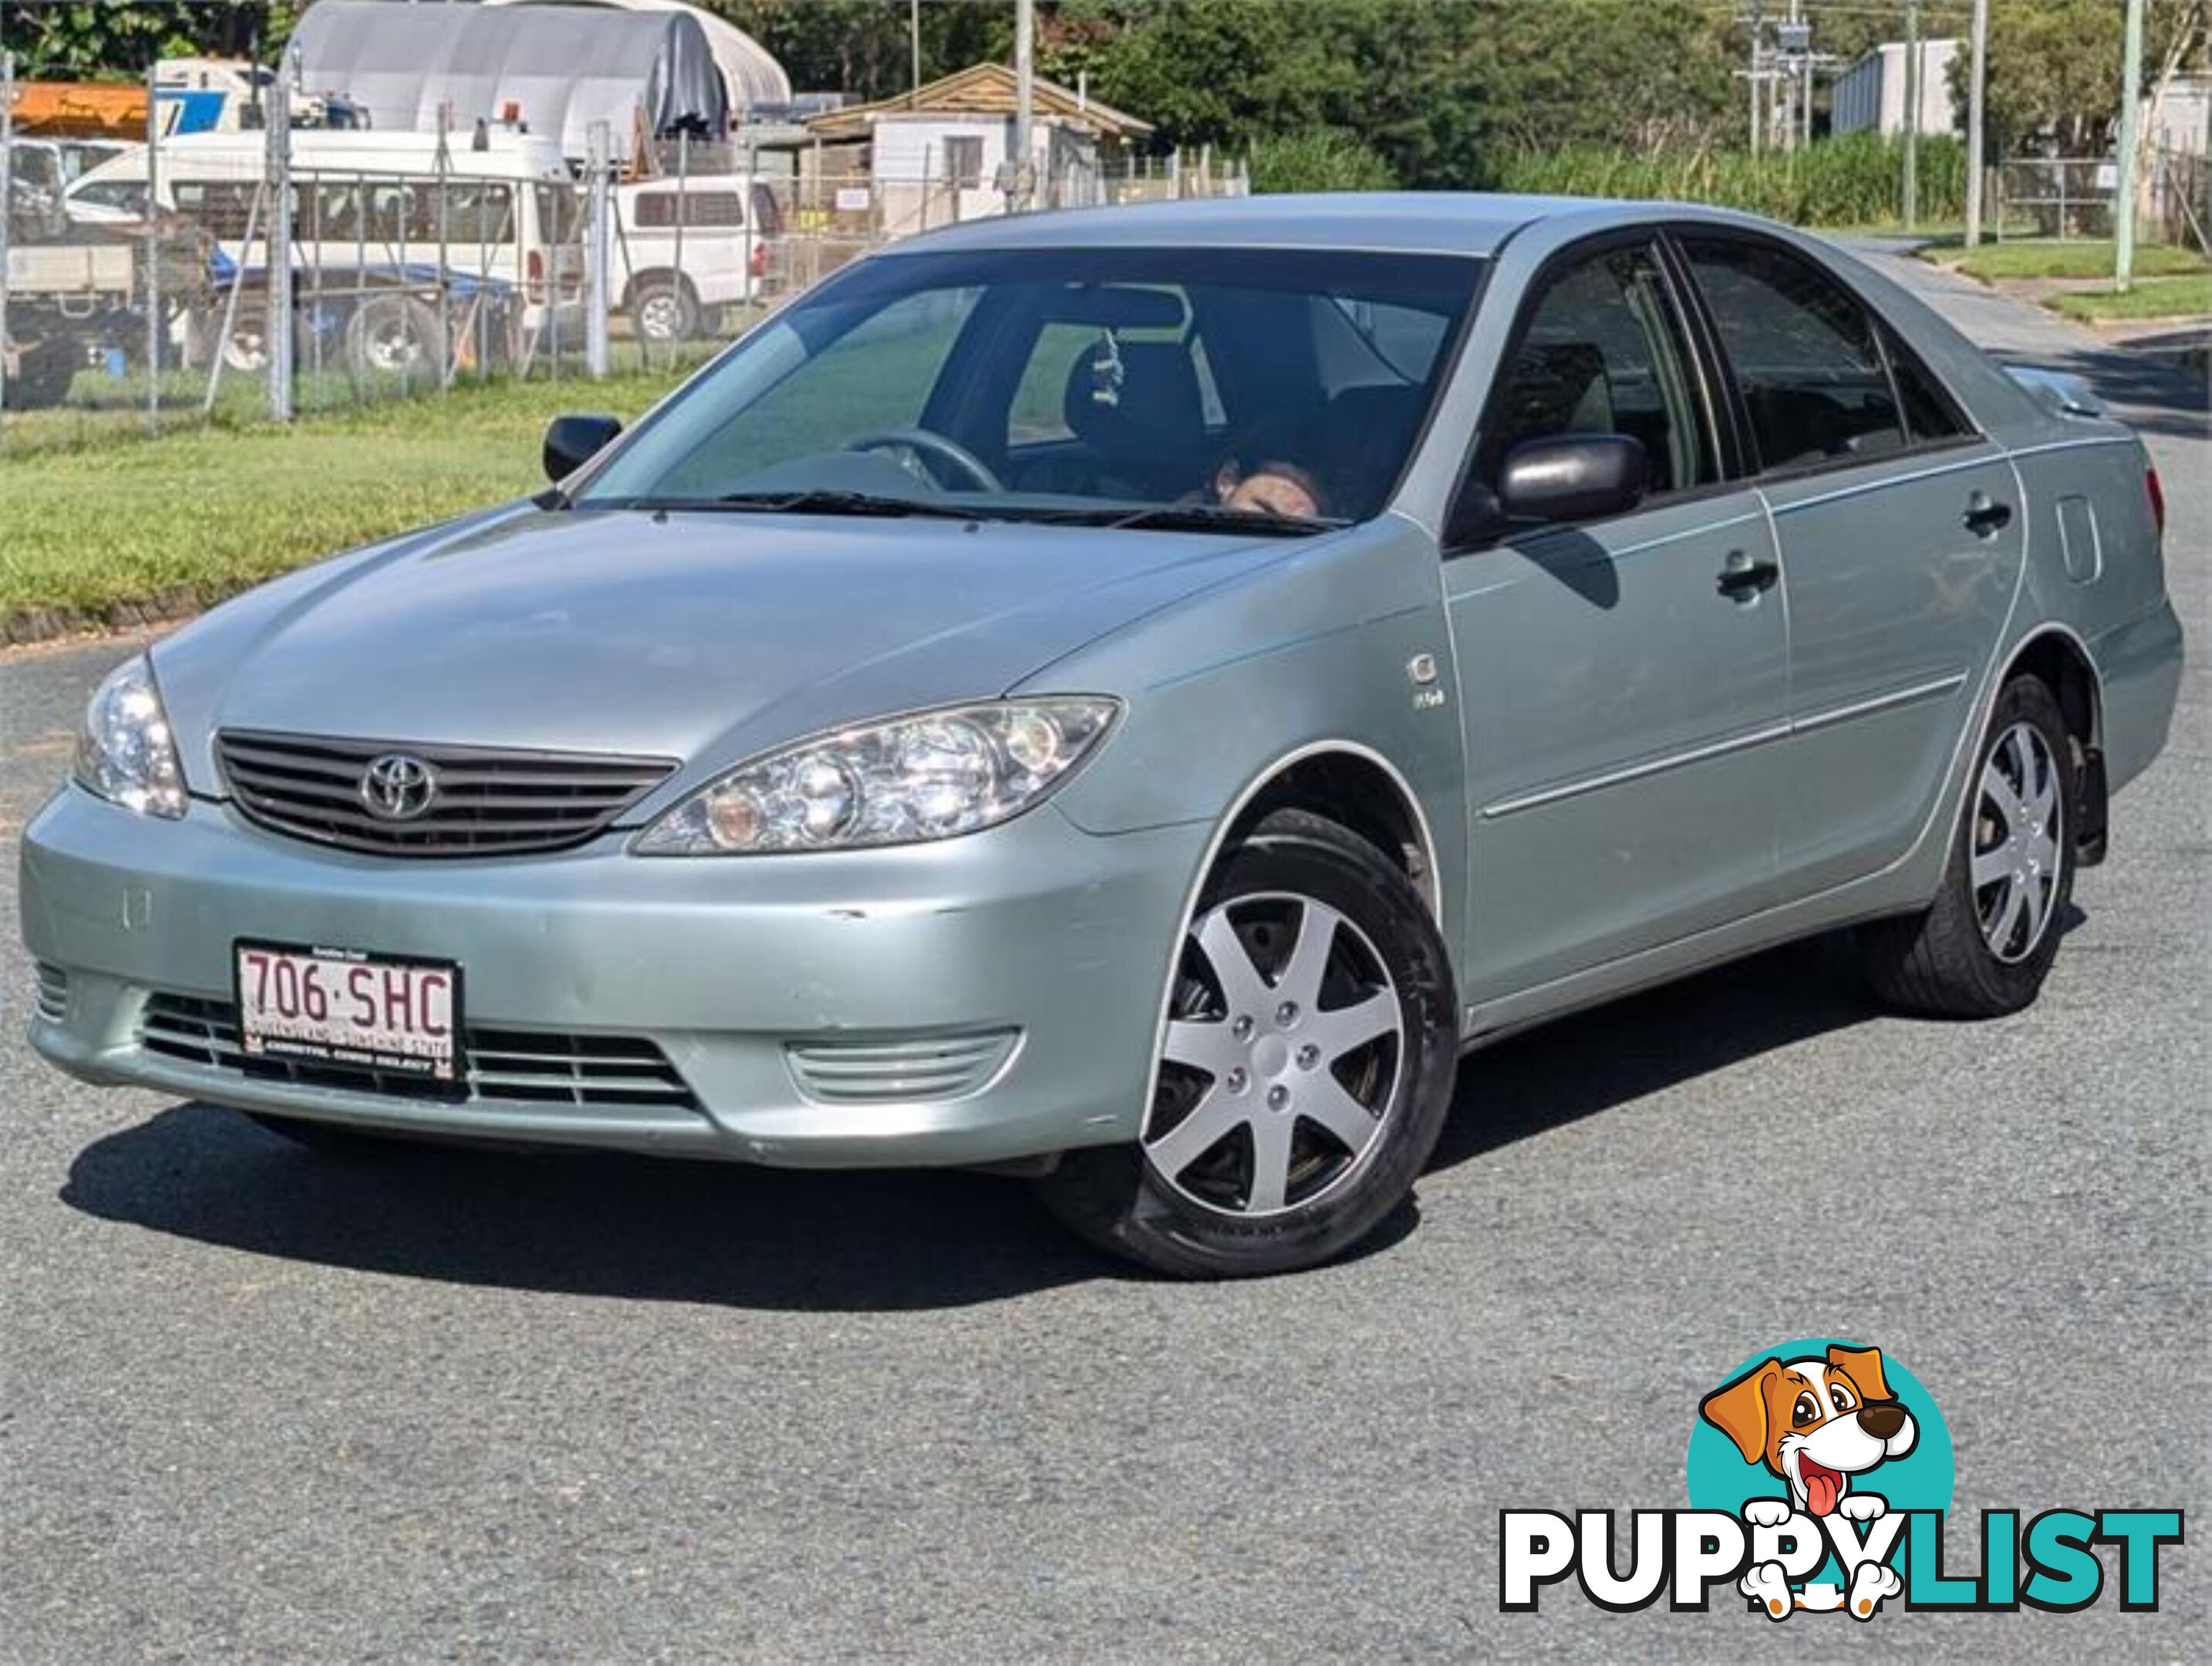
x=1571, y=476
x=572, y=441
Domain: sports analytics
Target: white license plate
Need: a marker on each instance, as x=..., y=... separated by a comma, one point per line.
x=348, y=1010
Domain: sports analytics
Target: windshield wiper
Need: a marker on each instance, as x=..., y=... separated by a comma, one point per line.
x=829, y=502
x=1219, y=518
x=820, y=502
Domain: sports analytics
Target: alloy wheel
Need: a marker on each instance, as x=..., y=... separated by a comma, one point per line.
x=2018, y=844
x=1285, y=1039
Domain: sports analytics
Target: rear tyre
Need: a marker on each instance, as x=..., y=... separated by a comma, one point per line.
x=392, y=342
x=246, y=345
x=1983, y=948
x=665, y=311
x=1306, y=1070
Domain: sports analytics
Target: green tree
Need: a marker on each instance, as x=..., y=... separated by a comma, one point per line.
x=86, y=40
x=2054, y=68
x=864, y=46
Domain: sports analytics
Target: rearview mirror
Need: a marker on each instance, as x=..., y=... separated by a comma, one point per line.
x=574, y=440
x=1571, y=476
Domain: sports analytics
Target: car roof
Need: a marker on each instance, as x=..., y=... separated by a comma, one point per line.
x=1432, y=222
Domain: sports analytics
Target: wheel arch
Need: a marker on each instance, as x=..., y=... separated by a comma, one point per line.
x=2060, y=658
x=1355, y=786
x=1311, y=777
x=658, y=275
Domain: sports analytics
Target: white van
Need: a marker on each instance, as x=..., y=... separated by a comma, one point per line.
x=671, y=282
x=376, y=218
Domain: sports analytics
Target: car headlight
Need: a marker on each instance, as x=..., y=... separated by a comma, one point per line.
x=126, y=753
x=899, y=781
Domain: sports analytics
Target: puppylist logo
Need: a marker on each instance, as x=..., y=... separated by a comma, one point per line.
x=1818, y=1475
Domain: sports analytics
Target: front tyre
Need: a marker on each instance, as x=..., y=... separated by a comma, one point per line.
x=1983, y=948
x=1305, y=1072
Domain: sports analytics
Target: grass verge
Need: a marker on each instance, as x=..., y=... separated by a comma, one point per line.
x=2156, y=297
x=88, y=530
x=2050, y=258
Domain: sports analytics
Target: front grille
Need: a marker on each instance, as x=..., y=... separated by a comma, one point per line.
x=487, y=802
x=861, y=1073
x=527, y=1066
x=53, y=993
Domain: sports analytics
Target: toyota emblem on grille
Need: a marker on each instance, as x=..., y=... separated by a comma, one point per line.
x=396, y=787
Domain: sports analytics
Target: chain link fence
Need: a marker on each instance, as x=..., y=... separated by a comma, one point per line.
x=253, y=275
x=2072, y=197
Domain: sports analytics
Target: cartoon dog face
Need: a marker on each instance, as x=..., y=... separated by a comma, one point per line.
x=1814, y=1422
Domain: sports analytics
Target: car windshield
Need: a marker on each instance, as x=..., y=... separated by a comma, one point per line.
x=1274, y=388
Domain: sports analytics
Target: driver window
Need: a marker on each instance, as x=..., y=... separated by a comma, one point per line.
x=1604, y=353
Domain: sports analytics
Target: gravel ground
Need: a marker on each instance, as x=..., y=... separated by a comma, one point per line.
x=256, y=1404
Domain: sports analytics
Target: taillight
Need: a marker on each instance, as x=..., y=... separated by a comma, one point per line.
x=760, y=260
x=2157, y=493
x=533, y=275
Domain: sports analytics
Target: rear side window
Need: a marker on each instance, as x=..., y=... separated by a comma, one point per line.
x=1930, y=415
x=1603, y=353
x=1803, y=352
x=703, y=210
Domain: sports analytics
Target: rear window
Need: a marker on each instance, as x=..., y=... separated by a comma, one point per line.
x=707, y=210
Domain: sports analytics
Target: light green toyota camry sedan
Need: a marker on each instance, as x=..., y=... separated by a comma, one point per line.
x=1129, y=698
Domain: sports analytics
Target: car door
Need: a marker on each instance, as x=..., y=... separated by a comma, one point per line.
x=1622, y=681
x=1901, y=532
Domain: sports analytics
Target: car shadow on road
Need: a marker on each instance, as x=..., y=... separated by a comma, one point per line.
x=728, y=1235
x=1614, y=1055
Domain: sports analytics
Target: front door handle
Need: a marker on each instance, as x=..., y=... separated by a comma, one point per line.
x=1985, y=517
x=1747, y=576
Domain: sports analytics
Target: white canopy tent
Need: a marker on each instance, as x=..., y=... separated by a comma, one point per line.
x=752, y=77
x=557, y=68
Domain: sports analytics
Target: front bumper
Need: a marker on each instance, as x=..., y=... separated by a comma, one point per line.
x=734, y=968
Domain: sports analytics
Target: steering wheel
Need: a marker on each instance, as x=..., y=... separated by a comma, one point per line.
x=935, y=445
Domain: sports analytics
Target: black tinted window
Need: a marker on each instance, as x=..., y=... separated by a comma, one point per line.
x=1930, y=414
x=1803, y=352
x=1603, y=354
x=657, y=209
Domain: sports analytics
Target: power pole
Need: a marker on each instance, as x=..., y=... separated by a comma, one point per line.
x=2123, y=208
x=914, y=51
x=1025, y=93
x=6, y=200
x=1912, y=112
x=276, y=328
x=1976, y=96
x=1803, y=83
x=1751, y=79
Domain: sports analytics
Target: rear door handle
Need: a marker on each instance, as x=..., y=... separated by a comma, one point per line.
x=1747, y=576
x=1985, y=517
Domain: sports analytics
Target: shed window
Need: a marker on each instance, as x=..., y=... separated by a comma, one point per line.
x=963, y=160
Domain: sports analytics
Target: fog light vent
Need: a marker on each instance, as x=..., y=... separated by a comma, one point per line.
x=53, y=993
x=876, y=1072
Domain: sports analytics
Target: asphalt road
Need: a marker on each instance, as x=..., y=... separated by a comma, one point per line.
x=256, y=1404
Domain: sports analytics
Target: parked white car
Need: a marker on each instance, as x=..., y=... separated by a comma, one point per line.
x=374, y=218
x=683, y=250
